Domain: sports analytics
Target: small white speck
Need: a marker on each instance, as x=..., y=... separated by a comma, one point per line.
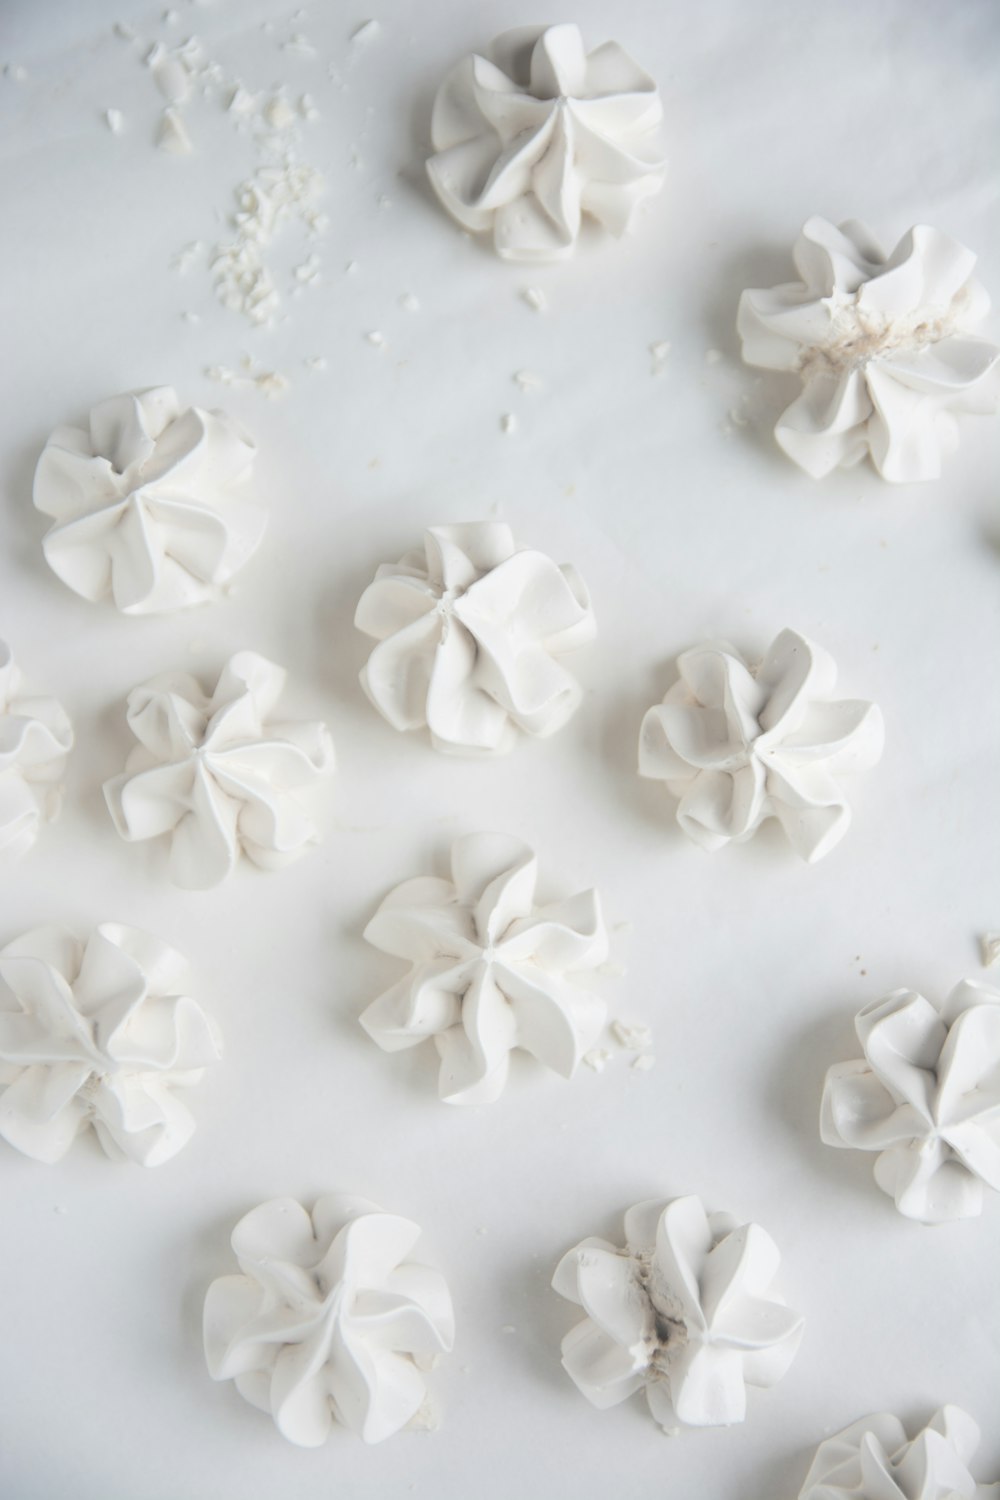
x=61, y=1209
x=315, y=362
x=186, y=258
x=191, y=317
x=299, y=43
x=241, y=101
x=278, y=113
x=713, y=356
x=482, y=1232
x=527, y=380
x=738, y=418
x=308, y=271
x=172, y=134
x=508, y=423
x=644, y=1062
x=351, y=268
x=367, y=32
x=384, y=201
x=989, y=948
x=658, y=356
x=170, y=18
x=409, y=302
x=123, y=30
x=114, y=120
x=535, y=298
x=16, y=72
x=154, y=55
x=634, y=1035
x=376, y=339
x=172, y=79
x=307, y=107
x=597, y=1058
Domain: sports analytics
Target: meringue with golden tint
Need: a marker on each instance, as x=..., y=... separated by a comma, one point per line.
x=492, y=971
x=99, y=1033
x=536, y=133
x=469, y=631
x=684, y=1312
x=737, y=744
x=885, y=345
x=329, y=1320
x=149, y=502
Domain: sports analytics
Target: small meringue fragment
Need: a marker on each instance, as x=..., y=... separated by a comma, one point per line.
x=219, y=773
x=491, y=971
x=683, y=1312
x=329, y=1321
x=738, y=744
x=874, y=1460
x=36, y=736
x=99, y=1032
x=926, y=1096
x=148, y=503
x=537, y=132
x=884, y=345
x=468, y=630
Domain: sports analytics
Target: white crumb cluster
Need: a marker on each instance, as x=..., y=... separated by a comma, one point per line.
x=535, y=298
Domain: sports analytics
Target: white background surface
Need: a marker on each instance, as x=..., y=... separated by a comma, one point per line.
x=749, y=965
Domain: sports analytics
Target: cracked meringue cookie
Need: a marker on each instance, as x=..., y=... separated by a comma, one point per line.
x=537, y=132
x=884, y=345
x=36, y=736
x=468, y=631
x=329, y=1321
x=874, y=1460
x=491, y=970
x=99, y=1033
x=148, y=503
x=684, y=1312
x=926, y=1097
x=737, y=744
x=219, y=773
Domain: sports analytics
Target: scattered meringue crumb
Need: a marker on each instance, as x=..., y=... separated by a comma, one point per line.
x=170, y=18
x=527, y=380
x=172, y=134
x=738, y=417
x=114, y=120
x=635, y=1036
x=124, y=31
x=376, y=339
x=186, y=258
x=299, y=43
x=508, y=423
x=535, y=298
x=351, y=268
x=658, y=355
x=482, y=1232
x=368, y=31
x=426, y=1419
x=172, y=79
x=644, y=1062
x=409, y=302
x=597, y=1058
x=713, y=356
x=307, y=108
x=384, y=201
x=240, y=100
x=269, y=382
x=278, y=113
x=315, y=362
x=191, y=317
x=154, y=54
x=308, y=271
x=989, y=948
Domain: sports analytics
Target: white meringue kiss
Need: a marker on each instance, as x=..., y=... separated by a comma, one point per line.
x=738, y=744
x=491, y=971
x=537, y=132
x=468, y=631
x=684, y=1313
x=98, y=1033
x=219, y=774
x=328, y=1320
x=926, y=1096
x=35, y=738
x=874, y=1460
x=884, y=346
x=148, y=503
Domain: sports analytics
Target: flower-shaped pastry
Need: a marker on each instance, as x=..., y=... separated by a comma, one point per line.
x=98, y=1033
x=883, y=345
x=468, y=629
x=538, y=132
x=683, y=1312
x=874, y=1460
x=491, y=971
x=35, y=738
x=329, y=1320
x=219, y=774
x=926, y=1096
x=739, y=744
x=148, y=502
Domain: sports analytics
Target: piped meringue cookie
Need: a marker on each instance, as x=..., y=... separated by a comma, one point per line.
x=536, y=132
x=926, y=1097
x=219, y=774
x=469, y=629
x=884, y=345
x=149, y=502
x=874, y=1460
x=684, y=1312
x=491, y=970
x=36, y=736
x=738, y=744
x=99, y=1033
x=329, y=1321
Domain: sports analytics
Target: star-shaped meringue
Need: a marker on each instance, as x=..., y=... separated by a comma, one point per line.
x=537, y=132
x=874, y=1460
x=36, y=736
x=491, y=970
